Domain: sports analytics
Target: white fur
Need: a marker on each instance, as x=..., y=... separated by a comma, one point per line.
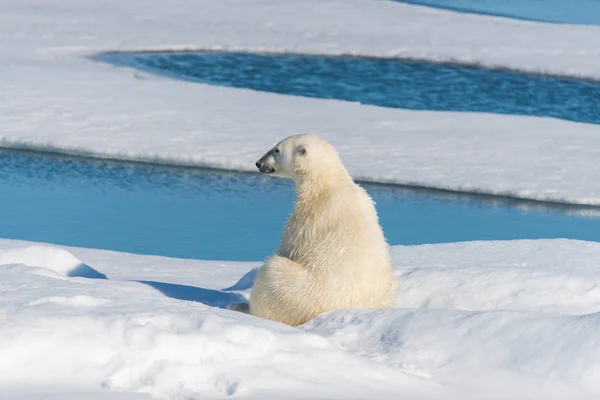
x=333, y=253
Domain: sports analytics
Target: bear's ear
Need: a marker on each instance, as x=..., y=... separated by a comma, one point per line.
x=302, y=149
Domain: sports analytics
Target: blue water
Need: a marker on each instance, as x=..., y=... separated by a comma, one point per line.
x=208, y=214
x=396, y=83
x=560, y=11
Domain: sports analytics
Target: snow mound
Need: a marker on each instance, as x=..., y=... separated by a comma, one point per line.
x=561, y=276
x=52, y=258
x=543, y=356
x=476, y=321
x=124, y=336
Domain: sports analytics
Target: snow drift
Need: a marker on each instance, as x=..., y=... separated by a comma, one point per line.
x=480, y=320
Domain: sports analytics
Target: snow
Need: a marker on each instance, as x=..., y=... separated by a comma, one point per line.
x=52, y=98
x=541, y=276
x=475, y=320
x=124, y=335
x=502, y=354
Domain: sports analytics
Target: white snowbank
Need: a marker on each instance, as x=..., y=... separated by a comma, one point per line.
x=55, y=100
x=492, y=354
x=478, y=320
x=126, y=336
x=561, y=276
x=54, y=259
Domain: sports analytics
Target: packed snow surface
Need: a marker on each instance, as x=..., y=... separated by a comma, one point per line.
x=474, y=320
x=53, y=98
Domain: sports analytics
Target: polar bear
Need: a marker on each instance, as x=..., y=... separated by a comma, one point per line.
x=333, y=253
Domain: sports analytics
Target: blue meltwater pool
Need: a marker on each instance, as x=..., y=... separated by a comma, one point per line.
x=210, y=214
x=417, y=85
x=585, y=12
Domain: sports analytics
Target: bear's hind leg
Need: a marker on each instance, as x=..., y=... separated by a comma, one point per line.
x=280, y=292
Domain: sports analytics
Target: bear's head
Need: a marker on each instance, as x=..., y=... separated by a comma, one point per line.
x=300, y=156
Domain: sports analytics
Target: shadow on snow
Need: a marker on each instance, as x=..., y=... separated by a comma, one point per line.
x=209, y=297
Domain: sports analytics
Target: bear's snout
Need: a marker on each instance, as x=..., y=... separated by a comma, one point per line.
x=264, y=164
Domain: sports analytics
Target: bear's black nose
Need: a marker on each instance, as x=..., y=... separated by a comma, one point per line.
x=258, y=164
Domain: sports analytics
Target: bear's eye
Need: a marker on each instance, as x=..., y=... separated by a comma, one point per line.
x=276, y=150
